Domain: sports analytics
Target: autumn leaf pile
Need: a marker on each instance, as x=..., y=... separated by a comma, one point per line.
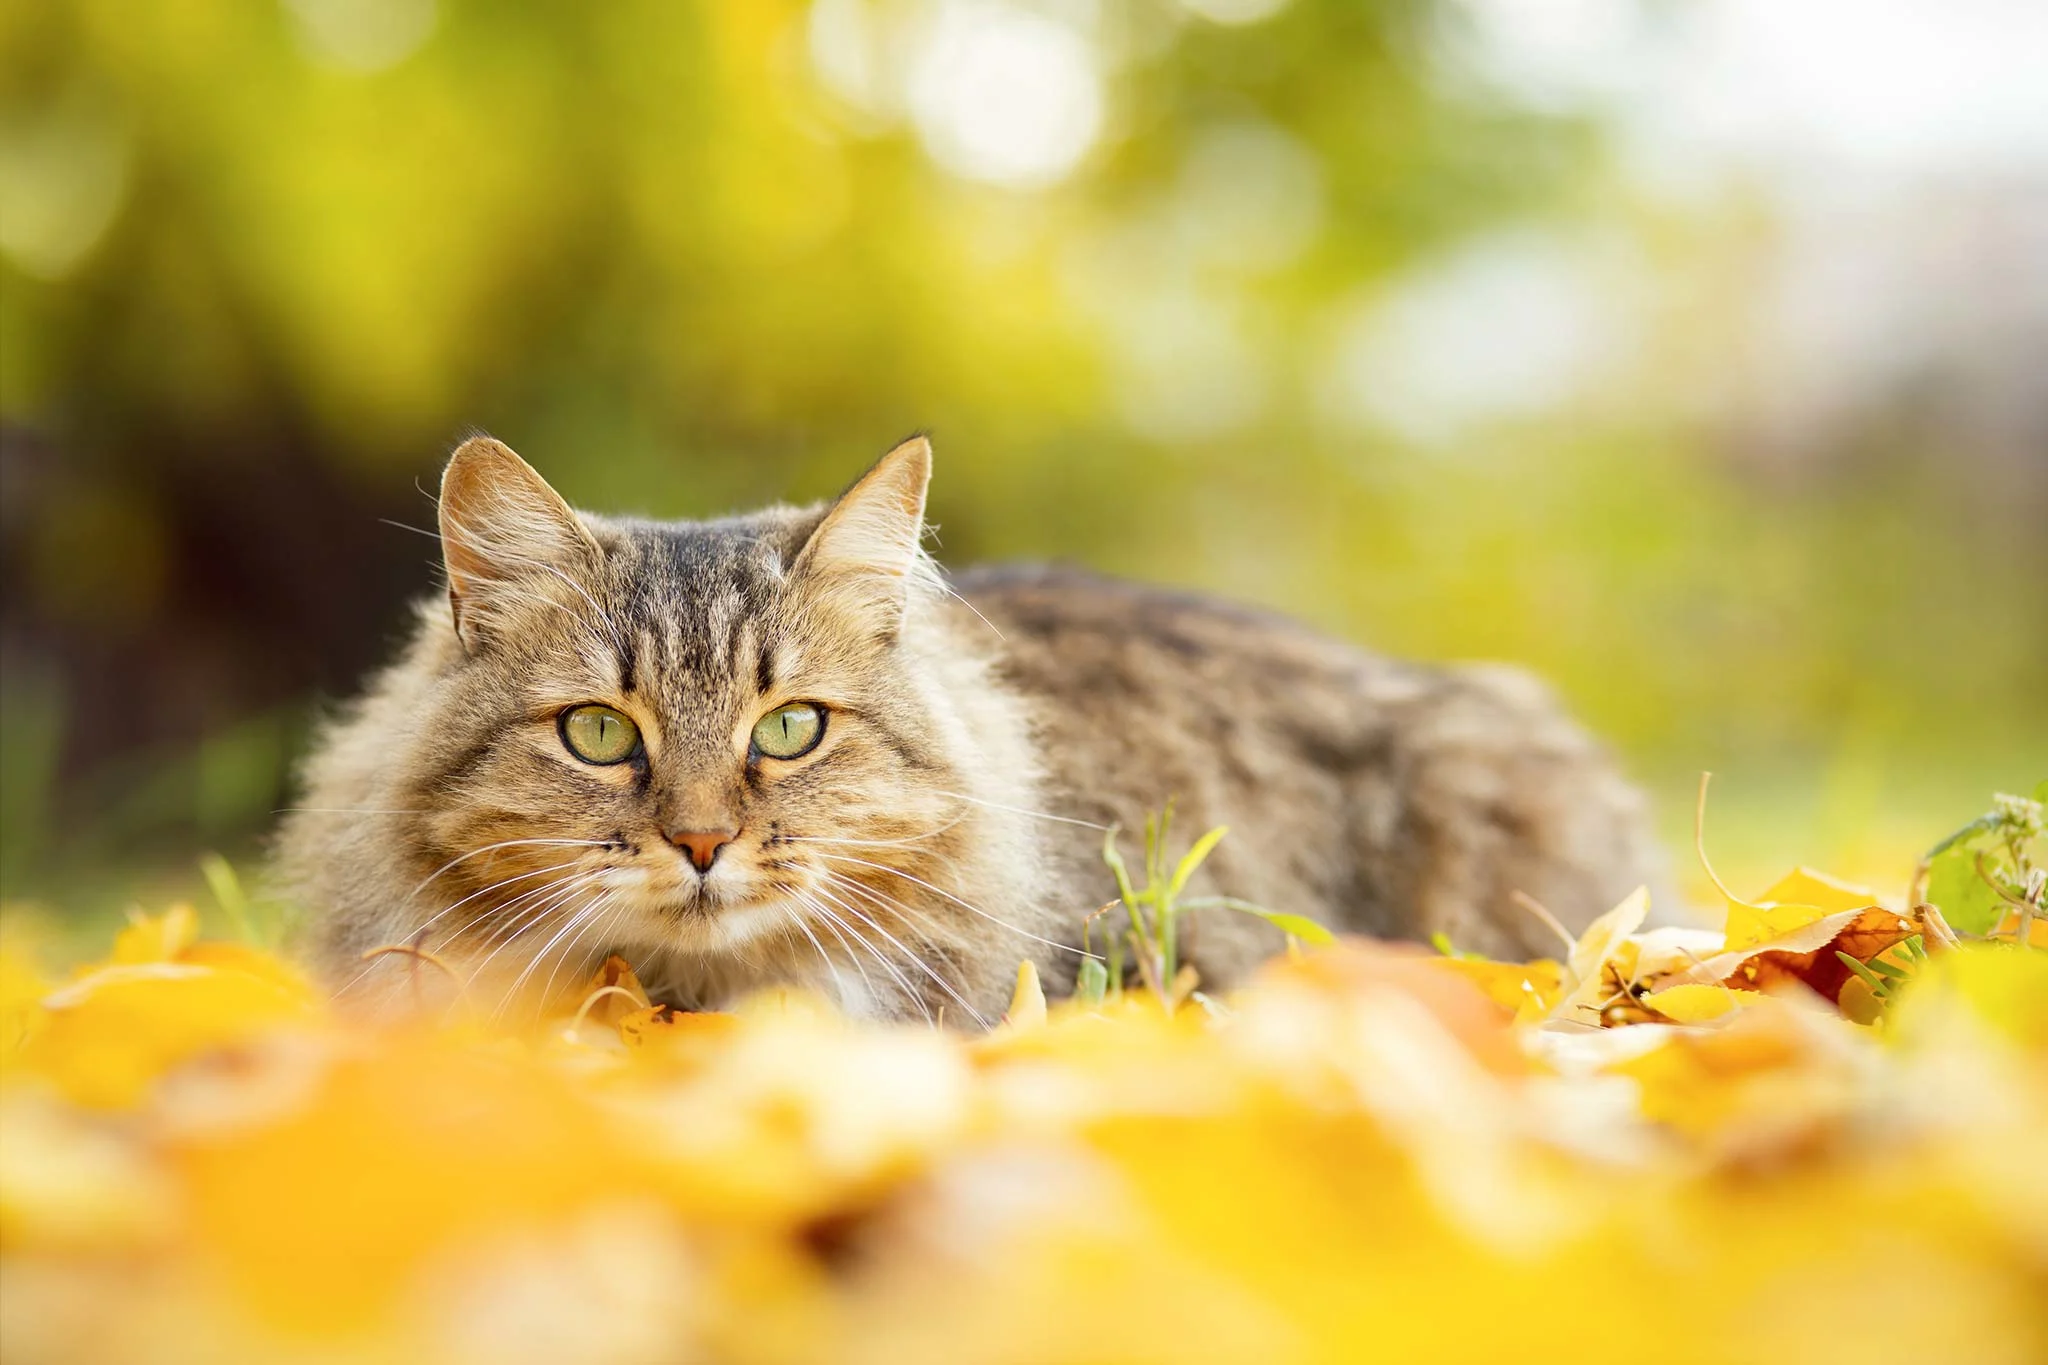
x=1818, y=1133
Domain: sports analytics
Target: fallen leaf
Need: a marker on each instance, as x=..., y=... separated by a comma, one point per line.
x=1027, y=1001
x=1523, y=989
x=156, y=938
x=1691, y=1003
x=1806, y=955
x=1586, y=977
x=106, y=1037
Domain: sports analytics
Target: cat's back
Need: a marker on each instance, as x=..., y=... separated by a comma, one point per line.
x=1389, y=797
x=1163, y=666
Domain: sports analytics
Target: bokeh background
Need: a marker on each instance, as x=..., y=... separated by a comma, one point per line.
x=1694, y=352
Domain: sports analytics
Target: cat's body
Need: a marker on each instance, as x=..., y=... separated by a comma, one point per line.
x=969, y=745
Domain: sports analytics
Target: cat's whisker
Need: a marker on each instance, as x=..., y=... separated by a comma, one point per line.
x=539, y=905
x=886, y=905
x=916, y=960
x=347, y=810
x=416, y=530
x=608, y=905
x=551, y=900
x=874, y=843
x=892, y=905
x=500, y=885
x=1020, y=810
x=953, y=593
x=420, y=933
x=910, y=991
x=524, y=911
x=578, y=919
x=941, y=891
x=831, y=969
x=487, y=848
x=831, y=925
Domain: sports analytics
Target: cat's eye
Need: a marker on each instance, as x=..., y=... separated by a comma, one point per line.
x=789, y=731
x=598, y=734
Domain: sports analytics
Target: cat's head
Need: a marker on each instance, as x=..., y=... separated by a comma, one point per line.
x=735, y=737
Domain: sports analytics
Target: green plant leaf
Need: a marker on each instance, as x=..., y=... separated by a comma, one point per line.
x=1092, y=983
x=227, y=892
x=1878, y=986
x=1204, y=846
x=1966, y=902
x=1963, y=836
x=1115, y=859
x=1300, y=926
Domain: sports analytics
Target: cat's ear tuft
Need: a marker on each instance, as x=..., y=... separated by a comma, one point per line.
x=501, y=525
x=865, y=552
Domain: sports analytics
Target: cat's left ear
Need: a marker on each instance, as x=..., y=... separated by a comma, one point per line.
x=865, y=553
x=501, y=526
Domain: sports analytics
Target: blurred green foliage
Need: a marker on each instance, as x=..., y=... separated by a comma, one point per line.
x=265, y=263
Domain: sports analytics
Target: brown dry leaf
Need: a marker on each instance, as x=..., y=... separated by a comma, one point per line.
x=613, y=994
x=1806, y=955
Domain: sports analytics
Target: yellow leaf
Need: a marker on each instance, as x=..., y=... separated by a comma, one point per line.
x=1750, y=924
x=1692, y=1004
x=1027, y=1001
x=1804, y=886
x=249, y=961
x=1586, y=971
x=1797, y=899
x=156, y=938
x=321, y=1216
x=22, y=988
x=106, y=1037
x=1522, y=988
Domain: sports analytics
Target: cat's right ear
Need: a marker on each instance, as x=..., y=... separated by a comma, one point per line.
x=502, y=526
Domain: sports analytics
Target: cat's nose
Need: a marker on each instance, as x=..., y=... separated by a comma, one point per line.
x=702, y=845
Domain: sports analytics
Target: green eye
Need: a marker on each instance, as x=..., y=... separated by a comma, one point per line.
x=598, y=734
x=789, y=731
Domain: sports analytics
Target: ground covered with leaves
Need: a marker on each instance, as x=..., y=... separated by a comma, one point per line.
x=1812, y=1134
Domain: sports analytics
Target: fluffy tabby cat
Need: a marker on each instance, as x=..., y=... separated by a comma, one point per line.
x=782, y=748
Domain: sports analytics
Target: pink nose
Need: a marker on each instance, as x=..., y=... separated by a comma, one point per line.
x=702, y=845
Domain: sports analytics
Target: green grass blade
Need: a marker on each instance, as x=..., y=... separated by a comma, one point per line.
x=1203, y=847
x=227, y=891
x=1878, y=985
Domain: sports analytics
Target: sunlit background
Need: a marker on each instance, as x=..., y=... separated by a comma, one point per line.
x=1694, y=352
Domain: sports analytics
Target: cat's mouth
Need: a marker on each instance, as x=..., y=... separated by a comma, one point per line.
x=711, y=913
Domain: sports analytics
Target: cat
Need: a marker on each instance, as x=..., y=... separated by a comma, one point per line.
x=784, y=749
